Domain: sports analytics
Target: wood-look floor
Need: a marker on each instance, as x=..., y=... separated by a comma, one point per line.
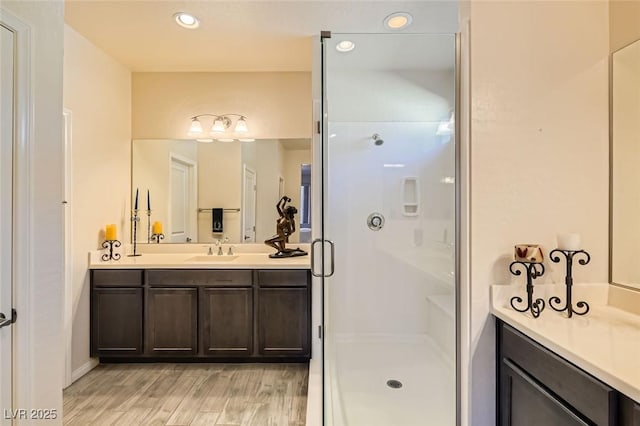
x=189, y=394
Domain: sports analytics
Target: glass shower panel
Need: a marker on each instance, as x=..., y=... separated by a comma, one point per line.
x=389, y=165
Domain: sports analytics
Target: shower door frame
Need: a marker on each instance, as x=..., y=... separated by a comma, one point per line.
x=323, y=127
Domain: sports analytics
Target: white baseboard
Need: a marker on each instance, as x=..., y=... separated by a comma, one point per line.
x=84, y=369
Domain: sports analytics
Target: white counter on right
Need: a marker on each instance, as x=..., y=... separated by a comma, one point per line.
x=605, y=342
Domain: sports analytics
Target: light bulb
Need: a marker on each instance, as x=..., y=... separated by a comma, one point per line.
x=218, y=126
x=196, y=127
x=241, y=126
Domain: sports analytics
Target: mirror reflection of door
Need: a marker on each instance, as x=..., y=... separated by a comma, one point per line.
x=6, y=220
x=249, y=205
x=182, y=200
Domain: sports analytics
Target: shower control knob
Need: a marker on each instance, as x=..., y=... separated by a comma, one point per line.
x=375, y=221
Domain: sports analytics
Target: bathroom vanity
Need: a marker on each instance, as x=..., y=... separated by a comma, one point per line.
x=199, y=311
x=559, y=371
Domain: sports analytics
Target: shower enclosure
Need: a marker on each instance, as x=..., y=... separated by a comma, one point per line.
x=389, y=216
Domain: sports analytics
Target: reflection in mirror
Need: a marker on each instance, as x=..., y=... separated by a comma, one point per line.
x=197, y=188
x=625, y=173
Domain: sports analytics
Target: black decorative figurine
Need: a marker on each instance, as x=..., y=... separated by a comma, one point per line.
x=568, y=281
x=285, y=226
x=533, y=270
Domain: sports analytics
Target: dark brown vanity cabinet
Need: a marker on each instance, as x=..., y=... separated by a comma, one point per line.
x=203, y=313
x=116, y=313
x=171, y=323
x=226, y=321
x=538, y=387
x=284, y=313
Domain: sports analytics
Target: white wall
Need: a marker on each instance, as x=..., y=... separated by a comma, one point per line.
x=276, y=104
x=151, y=171
x=220, y=185
x=266, y=159
x=539, y=151
x=625, y=174
x=97, y=90
x=624, y=23
x=38, y=369
x=292, y=173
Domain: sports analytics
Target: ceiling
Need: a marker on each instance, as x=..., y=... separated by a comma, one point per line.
x=238, y=35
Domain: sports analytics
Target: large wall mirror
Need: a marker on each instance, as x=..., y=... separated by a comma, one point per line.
x=625, y=163
x=187, y=180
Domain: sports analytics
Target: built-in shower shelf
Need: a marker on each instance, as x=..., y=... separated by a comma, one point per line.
x=410, y=196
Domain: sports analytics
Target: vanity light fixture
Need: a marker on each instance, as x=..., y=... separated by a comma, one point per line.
x=247, y=140
x=186, y=20
x=398, y=21
x=221, y=123
x=345, y=46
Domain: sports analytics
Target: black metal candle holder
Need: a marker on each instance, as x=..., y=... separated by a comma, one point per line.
x=135, y=219
x=110, y=244
x=149, y=235
x=568, y=282
x=533, y=271
x=157, y=238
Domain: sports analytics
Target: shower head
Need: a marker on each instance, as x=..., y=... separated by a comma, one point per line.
x=377, y=140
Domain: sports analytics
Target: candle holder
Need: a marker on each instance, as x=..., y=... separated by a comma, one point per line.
x=533, y=271
x=149, y=235
x=157, y=238
x=135, y=219
x=568, y=282
x=110, y=244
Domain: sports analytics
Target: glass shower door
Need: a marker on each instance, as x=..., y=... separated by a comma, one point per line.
x=389, y=162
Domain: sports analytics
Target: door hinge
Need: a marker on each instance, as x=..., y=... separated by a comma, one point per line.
x=318, y=127
x=320, y=332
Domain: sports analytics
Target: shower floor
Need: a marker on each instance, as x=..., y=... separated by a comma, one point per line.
x=363, y=365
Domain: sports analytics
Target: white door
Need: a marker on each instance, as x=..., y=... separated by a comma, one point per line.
x=249, y=205
x=6, y=220
x=182, y=205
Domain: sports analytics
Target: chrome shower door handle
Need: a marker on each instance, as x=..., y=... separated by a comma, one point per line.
x=313, y=258
x=333, y=259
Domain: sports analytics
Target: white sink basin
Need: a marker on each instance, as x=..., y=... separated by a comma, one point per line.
x=212, y=258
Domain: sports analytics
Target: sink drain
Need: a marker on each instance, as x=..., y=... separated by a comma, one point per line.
x=394, y=384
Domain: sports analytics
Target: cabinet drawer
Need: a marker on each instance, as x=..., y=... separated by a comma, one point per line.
x=191, y=277
x=116, y=277
x=283, y=278
x=589, y=396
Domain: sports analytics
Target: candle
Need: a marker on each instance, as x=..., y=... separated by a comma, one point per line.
x=157, y=227
x=148, y=201
x=111, y=232
x=135, y=206
x=569, y=241
x=531, y=253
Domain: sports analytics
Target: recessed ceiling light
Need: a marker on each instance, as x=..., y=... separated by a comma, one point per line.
x=345, y=46
x=247, y=140
x=225, y=140
x=187, y=21
x=398, y=21
x=205, y=140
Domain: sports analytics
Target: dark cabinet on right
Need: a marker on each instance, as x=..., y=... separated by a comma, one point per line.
x=538, y=387
x=284, y=313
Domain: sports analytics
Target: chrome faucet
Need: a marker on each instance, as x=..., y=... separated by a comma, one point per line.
x=219, y=243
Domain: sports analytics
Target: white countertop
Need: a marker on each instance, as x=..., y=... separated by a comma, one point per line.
x=185, y=258
x=605, y=342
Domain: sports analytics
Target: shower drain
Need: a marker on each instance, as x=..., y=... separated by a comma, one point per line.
x=394, y=384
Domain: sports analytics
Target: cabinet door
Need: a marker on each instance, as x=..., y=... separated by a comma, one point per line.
x=226, y=321
x=116, y=321
x=283, y=321
x=172, y=318
x=523, y=402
